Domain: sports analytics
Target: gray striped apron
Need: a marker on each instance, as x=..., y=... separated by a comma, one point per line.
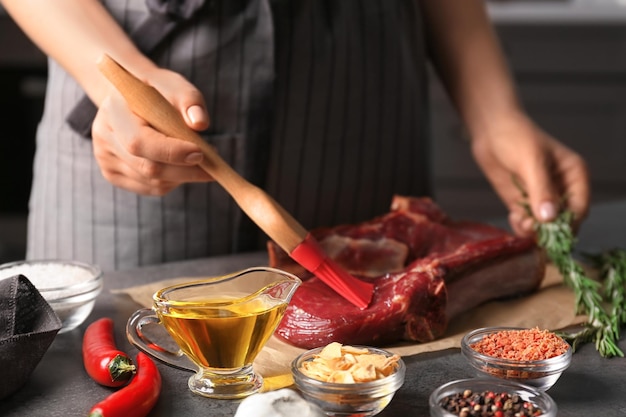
x=320, y=102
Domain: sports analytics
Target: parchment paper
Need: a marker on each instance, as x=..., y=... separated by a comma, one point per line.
x=550, y=307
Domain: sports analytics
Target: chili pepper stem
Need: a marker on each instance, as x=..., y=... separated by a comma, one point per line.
x=121, y=368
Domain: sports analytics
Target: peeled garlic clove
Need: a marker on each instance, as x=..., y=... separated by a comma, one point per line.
x=282, y=403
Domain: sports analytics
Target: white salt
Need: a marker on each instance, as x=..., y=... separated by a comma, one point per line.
x=46, y=276
x=55, y=280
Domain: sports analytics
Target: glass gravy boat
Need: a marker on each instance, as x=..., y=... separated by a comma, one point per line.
x=219, y=326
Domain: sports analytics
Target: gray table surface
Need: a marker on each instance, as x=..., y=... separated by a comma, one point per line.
x=59, y=386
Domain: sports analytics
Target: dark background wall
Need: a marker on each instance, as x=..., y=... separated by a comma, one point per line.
x=20, y=107
x=22, y=84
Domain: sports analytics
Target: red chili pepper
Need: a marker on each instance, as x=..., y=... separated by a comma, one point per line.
x=137, y=398
x=104, y=363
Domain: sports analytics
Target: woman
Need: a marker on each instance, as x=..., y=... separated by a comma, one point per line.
x=322, y=103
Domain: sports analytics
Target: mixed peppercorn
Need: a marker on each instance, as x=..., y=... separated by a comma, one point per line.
x=489, y=404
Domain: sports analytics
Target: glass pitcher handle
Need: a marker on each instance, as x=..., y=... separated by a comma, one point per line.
x=135, y=332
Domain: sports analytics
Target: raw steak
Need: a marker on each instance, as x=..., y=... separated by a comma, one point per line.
x=427, y=269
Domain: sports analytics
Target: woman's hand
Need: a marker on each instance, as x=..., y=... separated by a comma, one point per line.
x=546, y=169
x=506, y=145
x=134, y=156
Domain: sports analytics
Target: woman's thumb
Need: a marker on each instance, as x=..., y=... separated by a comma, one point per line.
x=542, y=197
x=197, y=117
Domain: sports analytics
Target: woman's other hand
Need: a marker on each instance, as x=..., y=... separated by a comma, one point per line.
x=553, y=175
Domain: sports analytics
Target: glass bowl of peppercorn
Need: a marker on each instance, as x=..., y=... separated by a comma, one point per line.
x=526, y=355
x=488, y=397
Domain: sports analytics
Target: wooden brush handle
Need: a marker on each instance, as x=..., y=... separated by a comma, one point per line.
x=149, y=104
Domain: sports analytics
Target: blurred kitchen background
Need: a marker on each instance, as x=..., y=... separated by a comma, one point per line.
x=568, y=58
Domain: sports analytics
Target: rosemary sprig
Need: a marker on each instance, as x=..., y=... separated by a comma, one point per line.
x=612, y=271
x=558, y=240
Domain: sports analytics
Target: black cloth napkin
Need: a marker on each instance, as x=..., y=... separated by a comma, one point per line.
x=28, y=325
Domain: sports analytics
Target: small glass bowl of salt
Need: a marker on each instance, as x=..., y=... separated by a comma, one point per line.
x=70, y=287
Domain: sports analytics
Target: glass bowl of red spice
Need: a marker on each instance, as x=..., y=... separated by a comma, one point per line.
x=489, y=397
x=526, y=355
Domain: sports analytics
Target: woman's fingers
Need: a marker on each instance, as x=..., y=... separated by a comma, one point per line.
x=552, y=176
x=135, y=157
x=147, y=177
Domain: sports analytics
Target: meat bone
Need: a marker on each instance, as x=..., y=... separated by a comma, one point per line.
x=274, y=220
